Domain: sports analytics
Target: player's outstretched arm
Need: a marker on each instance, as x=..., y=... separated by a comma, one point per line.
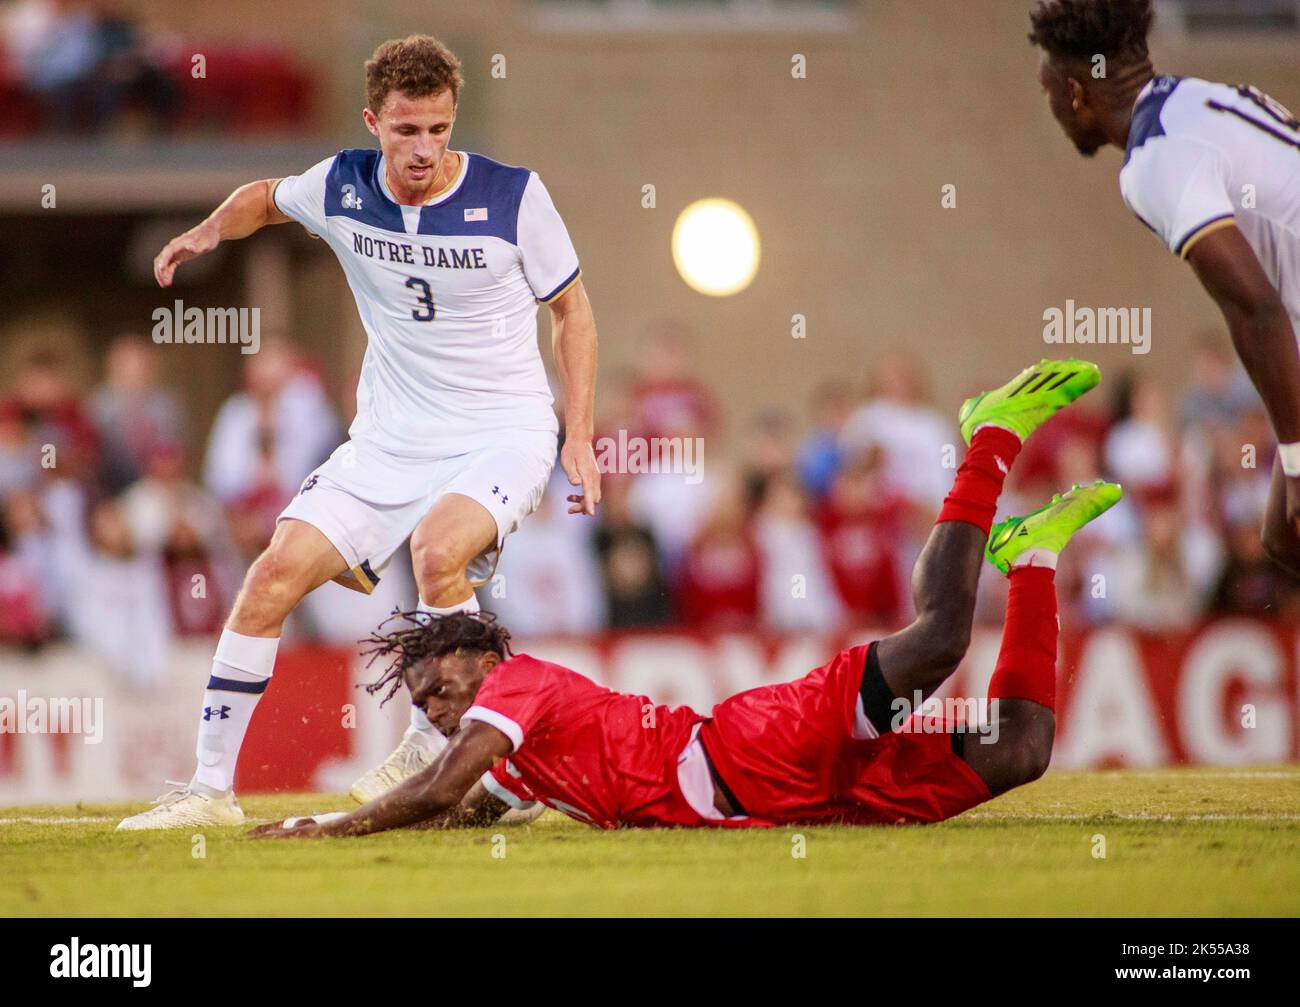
x=1261, y=333
x=472, y=751
x=247, y=209
x=476, y=809
x=573, y=340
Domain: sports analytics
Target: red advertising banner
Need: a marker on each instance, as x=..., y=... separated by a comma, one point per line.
x=1224, y=693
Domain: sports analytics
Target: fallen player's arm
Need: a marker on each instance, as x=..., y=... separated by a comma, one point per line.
x=427, y=795
x=1258, y=321
x=476, y=809
x=573, y=342
x=249, y=208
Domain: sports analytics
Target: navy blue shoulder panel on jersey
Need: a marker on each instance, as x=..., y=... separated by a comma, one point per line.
x=1146, y=116
x=352, y=190
x=487, y=202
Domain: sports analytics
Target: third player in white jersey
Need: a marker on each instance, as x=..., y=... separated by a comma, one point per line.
x=1203, y=156
x=1214, y=171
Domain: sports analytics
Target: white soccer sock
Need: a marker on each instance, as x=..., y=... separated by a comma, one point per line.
x=419, y=722
x=241, y=669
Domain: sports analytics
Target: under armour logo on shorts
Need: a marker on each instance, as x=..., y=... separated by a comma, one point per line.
x=496, y=491
x=220, y=712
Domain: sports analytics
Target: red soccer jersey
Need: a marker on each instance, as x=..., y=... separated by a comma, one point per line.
x=790, y=752
x=605, y=758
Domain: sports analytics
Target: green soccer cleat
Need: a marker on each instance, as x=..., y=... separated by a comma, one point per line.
x=1029, y=399
x=1052, y=526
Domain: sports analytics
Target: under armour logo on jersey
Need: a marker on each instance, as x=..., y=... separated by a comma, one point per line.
x=351, y=201
x=477, y=213
x=311, y=481
x=220, y=712
x=496, y=491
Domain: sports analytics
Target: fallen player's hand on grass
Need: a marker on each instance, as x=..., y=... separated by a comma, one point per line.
x=290, y=828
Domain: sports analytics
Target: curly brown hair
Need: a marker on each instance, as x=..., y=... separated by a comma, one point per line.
x=418, y=66
x=1116, y=29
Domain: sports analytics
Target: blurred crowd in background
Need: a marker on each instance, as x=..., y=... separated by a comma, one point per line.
x=112, y=537
x=86, y=67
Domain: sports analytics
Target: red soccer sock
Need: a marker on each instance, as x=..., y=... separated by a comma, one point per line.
x=975, y=491
x=1026, y=667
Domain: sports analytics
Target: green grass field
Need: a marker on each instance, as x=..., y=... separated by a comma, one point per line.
x=1177, y=842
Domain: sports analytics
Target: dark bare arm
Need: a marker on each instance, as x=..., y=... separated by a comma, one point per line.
x=476, y=809
x=1258, y=322
x=428, y=795
x=1264, y=339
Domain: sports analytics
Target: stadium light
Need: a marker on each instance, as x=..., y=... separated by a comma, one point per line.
x=716, y=247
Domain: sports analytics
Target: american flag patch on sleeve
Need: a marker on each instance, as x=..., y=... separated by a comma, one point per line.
x=478, y=213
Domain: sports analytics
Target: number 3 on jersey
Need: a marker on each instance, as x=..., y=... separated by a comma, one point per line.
x=427, y=311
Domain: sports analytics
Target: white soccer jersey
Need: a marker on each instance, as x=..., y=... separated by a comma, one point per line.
x=1202, y=156
x=448, y=296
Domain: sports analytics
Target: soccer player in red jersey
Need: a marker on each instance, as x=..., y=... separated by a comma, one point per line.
x=842, y=744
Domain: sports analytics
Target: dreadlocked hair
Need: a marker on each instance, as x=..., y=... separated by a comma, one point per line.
x=430, y=635
x=1086, y=28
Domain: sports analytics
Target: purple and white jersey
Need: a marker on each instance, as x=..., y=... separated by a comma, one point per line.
x=448, y=296
x=1202, y=156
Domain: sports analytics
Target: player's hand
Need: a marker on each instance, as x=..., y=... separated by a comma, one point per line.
x=191, y=244
x=579, y=463
x=301, y=828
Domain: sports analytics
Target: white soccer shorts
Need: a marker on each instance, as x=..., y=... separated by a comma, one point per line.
x=367, y=502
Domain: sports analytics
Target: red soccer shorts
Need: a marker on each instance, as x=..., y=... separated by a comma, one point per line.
x=788, y=755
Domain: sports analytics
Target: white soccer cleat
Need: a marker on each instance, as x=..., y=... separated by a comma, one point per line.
x=416, y=751
x=185, y=807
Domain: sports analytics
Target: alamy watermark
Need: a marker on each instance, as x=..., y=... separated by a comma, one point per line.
x=1122, y=326
x=950, y=715
x=63, y=715
x=651, y=455
x=75, y=960
x=218, y=326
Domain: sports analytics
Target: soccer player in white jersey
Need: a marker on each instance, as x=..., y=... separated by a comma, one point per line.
x=1214, y=171
x=447, y=254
